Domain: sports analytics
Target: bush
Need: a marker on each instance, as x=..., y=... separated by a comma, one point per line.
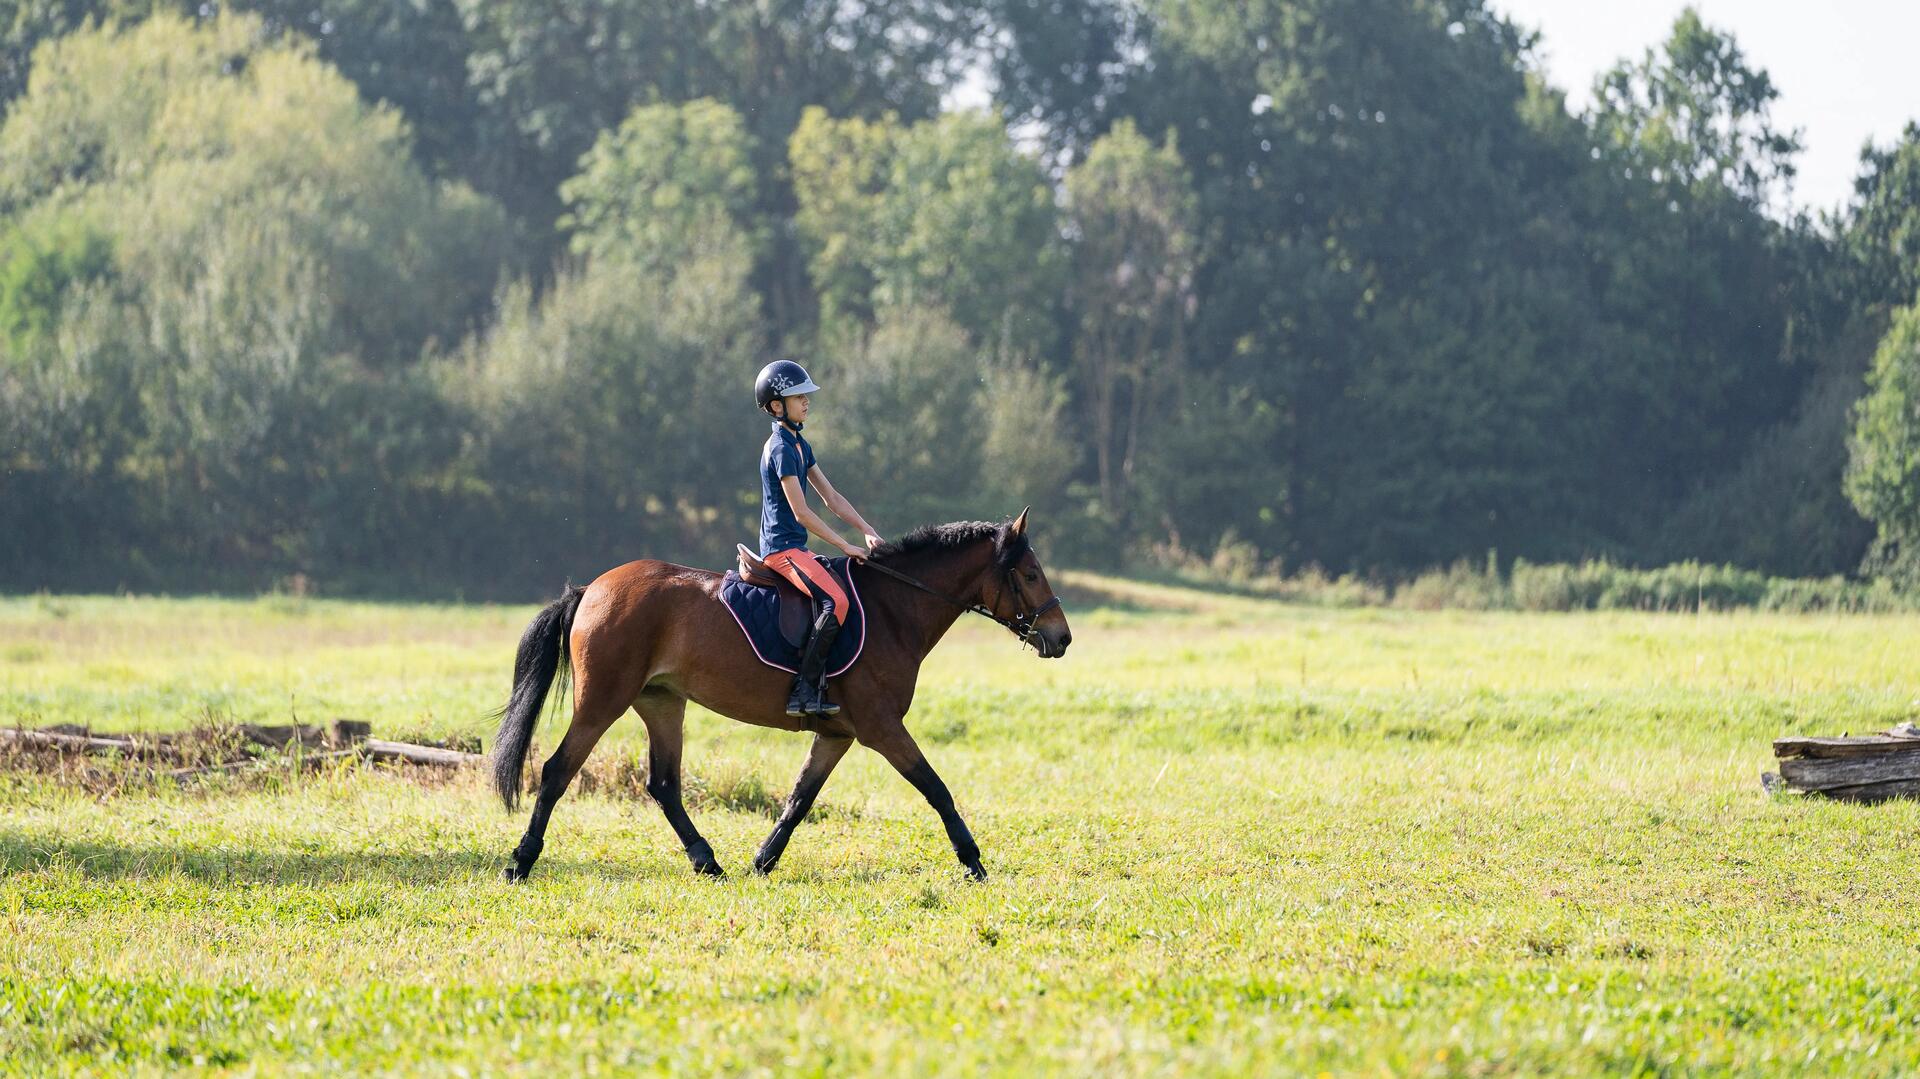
x=1458, y=587
x=1690, y=586
x=1586, y=586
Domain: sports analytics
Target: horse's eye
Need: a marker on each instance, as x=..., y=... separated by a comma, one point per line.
x=1032, y=577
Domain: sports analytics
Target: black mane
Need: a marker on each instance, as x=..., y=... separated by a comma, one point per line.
x=1008, y=546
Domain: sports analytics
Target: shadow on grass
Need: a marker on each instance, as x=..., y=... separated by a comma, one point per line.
x=28, y=853
x=1087, y=596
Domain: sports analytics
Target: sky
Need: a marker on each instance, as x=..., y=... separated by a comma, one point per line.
x=1847, y=70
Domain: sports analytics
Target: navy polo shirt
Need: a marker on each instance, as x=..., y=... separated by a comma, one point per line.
x=786, y=454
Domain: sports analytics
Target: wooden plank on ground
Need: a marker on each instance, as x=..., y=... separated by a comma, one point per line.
x=1870, y=745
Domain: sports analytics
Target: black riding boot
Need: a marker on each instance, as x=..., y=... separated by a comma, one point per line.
x=809, y=696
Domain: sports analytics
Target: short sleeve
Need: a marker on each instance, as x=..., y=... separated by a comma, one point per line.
x=786, y=461
x=807, y=462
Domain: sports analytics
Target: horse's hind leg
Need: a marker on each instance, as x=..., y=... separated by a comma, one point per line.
x=665, y=715
x=590, y=721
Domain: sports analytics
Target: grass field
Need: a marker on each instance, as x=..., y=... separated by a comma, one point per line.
x=1226, y=836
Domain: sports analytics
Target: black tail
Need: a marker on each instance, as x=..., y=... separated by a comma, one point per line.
x=543, y=652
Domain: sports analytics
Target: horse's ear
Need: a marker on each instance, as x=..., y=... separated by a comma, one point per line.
x=1020, y=522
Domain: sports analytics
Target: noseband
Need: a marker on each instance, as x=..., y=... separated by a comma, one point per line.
x=1020, y=625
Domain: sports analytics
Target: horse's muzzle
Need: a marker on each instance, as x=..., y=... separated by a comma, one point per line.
x=1052, y=645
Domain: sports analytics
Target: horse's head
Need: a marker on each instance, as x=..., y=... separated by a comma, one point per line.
x=1018, y=592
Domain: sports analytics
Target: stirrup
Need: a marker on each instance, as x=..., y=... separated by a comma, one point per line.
x=820, y=705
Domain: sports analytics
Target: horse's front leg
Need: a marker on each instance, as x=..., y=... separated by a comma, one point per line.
x=826, y=753
x=901, y=751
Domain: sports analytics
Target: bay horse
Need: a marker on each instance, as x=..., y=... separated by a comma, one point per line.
x=652, y=636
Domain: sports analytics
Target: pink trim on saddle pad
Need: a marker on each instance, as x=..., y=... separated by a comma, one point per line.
x=852, y=590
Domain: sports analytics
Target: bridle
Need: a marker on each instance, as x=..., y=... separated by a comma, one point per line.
x=1020, y=625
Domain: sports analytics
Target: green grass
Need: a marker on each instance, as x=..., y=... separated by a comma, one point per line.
x=1226, y=836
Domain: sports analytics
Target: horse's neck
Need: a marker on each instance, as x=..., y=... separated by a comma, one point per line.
x=957, y=575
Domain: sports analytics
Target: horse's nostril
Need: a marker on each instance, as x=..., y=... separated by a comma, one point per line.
x=1066, y=639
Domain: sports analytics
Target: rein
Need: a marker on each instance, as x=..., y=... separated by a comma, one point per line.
x=1020, y=626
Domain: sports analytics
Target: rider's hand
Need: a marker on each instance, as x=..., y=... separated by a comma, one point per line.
x=873, y=541
x=854, y=551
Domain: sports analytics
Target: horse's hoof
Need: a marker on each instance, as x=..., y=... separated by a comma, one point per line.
x=513, y=874
x=976, y=871
x=709, y=869
x=761, y=869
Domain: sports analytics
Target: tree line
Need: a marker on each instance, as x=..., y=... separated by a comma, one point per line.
x=465, y=296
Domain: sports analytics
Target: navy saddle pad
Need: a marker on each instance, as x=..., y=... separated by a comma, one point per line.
x=776, y=639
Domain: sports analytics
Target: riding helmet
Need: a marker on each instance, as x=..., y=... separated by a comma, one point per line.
x=781, y=378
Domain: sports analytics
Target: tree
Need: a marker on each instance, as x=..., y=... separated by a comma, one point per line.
x=1693, y=115
x=603, y=418
x=903, y=437
x=550, y=76
x=1883, y=476
x=39, y=265
x=667, y=184
x=1131, y=206
x=1029, y=449
x=944, y=213
x=1360, y=168
x=273, y=244
x=1065, y=65
x=1883, y=232
x=1701, y=279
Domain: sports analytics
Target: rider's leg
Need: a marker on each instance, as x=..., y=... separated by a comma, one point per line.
x=830, y=615
x=830, y=612
x=810, y=685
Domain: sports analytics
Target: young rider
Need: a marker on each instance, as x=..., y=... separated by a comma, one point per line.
x=783, y=390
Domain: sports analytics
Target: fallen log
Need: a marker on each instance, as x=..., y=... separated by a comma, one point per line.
x=375, y=749
x=1864, y=768
x=342, y=738
x=1816, y=773
x=85, y=743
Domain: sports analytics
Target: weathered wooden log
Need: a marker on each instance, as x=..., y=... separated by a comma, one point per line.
x=1870, y=745
x=84, y=743
x=375, y=749
x=1816, y=773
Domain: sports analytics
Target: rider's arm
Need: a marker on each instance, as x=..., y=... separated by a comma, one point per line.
x=840, y=506
x=803, y=513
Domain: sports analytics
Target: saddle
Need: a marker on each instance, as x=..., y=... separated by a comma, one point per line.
x=796, y=607
x=776, y=617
